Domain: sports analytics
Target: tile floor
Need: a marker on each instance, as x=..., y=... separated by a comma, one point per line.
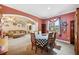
x=18, y=46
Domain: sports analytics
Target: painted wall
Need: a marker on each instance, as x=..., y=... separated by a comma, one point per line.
x=68, y=17
x=8, y=10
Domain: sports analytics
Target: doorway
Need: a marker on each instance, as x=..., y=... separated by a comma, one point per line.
x=43, y=28
x=72, y=35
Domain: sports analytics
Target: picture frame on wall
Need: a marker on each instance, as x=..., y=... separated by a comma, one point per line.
x=63, y=24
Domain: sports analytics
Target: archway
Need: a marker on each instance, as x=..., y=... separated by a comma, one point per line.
x=13, y=22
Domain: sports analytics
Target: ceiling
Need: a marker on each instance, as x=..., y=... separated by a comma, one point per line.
x=45, y=10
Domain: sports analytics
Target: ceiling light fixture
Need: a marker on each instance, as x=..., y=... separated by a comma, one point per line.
x=49, y=8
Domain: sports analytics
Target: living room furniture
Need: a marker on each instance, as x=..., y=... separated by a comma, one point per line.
x=15, y=33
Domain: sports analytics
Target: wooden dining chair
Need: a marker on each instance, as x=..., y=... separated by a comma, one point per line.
x=35, y=43
x=51, y=41
x=33, y=40
x=50, y=37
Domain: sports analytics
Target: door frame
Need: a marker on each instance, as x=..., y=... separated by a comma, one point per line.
x=72, y=40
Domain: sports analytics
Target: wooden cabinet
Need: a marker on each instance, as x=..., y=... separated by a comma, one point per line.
x=77, y=31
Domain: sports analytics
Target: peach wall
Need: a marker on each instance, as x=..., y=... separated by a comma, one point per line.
x=8, y=10
x=68, y=17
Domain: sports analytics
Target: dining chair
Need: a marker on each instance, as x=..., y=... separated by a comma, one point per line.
x=33, y=40
x=50, y=37
x=51, y=41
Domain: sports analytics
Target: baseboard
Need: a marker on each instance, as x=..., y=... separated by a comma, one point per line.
x=63, y=41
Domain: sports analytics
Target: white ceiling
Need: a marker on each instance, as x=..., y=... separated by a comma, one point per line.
x=45, y=10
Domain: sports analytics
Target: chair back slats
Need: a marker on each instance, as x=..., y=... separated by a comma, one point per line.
x=54, y=36
x=51, y=39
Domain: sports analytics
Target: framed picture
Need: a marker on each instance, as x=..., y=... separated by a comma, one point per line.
x=63, y=26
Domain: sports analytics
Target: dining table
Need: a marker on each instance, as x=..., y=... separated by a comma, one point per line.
x=42, y=39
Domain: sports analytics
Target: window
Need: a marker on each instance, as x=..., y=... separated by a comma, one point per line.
x=58, y=25
x=55, y=25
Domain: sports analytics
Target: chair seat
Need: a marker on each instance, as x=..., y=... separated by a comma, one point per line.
x=48, y=47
